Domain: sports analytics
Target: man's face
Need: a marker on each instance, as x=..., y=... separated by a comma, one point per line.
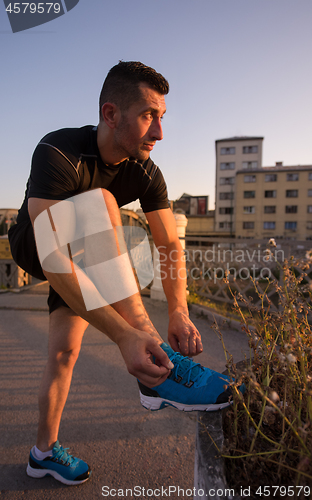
x=140, y=125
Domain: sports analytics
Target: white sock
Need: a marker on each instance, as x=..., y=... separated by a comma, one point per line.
x=41, y=455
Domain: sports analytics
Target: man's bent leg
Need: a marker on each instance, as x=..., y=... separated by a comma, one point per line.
x=66, y=331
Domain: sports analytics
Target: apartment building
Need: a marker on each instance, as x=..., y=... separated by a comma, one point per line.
x=274, y=202
x=233, y=154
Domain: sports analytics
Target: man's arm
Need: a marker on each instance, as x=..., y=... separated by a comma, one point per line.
x=135, y=345
x=182, y=334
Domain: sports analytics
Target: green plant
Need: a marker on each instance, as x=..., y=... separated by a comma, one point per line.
x=268, y=431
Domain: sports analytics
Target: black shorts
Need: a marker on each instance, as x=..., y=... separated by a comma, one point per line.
x=24, y=252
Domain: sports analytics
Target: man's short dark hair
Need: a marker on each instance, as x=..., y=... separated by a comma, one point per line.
x=121, y=86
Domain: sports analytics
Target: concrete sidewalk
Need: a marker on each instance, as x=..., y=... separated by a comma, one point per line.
x=103, y=422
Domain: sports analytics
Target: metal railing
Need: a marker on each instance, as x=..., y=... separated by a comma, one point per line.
x=12, y=276
x=249, y=269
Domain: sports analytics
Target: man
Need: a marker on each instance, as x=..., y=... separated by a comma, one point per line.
x=110, y=165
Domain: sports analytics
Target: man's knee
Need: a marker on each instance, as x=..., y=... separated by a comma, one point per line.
x=108, y=196
x=96, y=209
x=112, y=207
x=67, y=359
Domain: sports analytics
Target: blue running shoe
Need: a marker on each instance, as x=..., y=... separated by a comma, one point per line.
x=62, y=466
x=190, y=386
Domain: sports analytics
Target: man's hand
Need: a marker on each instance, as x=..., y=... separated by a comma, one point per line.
x=183, y=335
x=138, y=349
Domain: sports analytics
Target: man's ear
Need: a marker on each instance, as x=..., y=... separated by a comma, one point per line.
x=110, y=114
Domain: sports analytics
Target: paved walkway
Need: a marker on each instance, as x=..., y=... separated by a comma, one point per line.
x=104, y=423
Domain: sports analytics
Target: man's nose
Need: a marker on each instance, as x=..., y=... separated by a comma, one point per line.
x=156, y=129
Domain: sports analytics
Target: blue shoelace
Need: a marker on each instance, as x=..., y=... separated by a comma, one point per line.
x=186, y=369
x=62, y=456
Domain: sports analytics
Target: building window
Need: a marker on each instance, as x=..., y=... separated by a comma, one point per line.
x=225, y=225
x=309, y=209
x=270, y=178
x=227, y=166
x=249, y=178
x=250, y=164
x=309, y=192
x=291, y=209
x=249, y=194
x=248, y=225
x=309, y=225
x=292, y=177
x=291, y=225
x=249, y=210
x=226, y=196
x=226, y=210
x=310, y=176
x=269, y=225
x=227, y=151
x=291, y=193
x=269, y=209
x=226, y=180
x=250, y=149
x=270, y=194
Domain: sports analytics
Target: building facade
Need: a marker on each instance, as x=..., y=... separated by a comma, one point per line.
x=274, y=202
x=232, y=154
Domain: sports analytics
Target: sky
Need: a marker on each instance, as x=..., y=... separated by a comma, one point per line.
x=235, y=68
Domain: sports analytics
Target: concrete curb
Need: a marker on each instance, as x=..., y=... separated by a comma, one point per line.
x=212, y=316
x=209, y=471
x=209, y=474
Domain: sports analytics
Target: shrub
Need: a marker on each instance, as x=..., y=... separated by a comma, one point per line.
x=268, y=431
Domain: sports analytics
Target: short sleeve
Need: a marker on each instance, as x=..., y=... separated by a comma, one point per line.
x=53, y=176
x=155, y=196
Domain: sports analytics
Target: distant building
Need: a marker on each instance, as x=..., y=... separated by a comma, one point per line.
x=200, y=219
x=199, y=225
x=191, y=205
x=274, y=202
x=7, y=219
x=232, y=154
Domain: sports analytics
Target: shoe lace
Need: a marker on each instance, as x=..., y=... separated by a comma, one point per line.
x=62, y=456
x=186, y=369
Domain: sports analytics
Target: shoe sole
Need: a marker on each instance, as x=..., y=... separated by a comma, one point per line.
x=39, y=473
x=154, y=404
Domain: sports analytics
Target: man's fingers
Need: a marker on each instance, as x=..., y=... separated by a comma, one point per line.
x=173, y=341
x=189, y=344
x=157, y=368
x=199, y=345
x=153, y=376
x=192, y=346
x=161, y=357
x=184, y=346
x=195, y=344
